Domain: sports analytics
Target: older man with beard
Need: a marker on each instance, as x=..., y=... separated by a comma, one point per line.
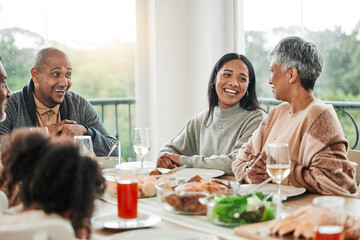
x=47, y=102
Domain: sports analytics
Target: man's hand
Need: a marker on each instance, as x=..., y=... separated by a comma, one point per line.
x=168, y=160
x=67, y=128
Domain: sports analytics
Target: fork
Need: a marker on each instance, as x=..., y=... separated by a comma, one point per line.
x=248, y=169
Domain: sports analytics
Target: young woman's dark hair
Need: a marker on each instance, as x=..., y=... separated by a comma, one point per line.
x=52, y=175
x=248, y=102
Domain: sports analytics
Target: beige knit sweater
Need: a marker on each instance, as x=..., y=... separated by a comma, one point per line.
x=317, y=148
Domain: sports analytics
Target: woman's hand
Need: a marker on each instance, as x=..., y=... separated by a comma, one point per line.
x=257, y=173
x=168, y=160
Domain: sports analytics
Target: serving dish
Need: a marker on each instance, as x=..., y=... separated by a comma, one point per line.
x=146, y=184
x=183, y=198
x=235, y=210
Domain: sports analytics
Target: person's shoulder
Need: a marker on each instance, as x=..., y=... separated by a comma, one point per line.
x=318, y=107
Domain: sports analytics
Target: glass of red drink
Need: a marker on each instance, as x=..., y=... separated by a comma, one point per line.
x=127, y=194
x=329, y=218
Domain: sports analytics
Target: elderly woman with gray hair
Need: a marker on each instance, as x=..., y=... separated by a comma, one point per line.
x=318, y=148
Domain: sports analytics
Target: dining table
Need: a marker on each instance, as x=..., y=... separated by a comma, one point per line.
x=197, y=226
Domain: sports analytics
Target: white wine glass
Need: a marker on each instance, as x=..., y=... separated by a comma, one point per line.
x=141, y=143
x=85, y=145
x=278, y=164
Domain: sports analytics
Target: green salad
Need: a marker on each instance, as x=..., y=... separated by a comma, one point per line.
x=239, y=210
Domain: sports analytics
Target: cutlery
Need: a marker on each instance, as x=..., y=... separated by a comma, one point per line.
x=248, y=169
x=264, y=200
x=174, y=170
x=112, y=149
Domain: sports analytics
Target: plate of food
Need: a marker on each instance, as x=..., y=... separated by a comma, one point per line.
x=286, y=191
x=146, y=184
x=113, y=222
x=204, y=173
x=183, y=198
x=162, y=234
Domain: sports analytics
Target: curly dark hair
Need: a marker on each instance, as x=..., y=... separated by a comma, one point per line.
x=53, y=175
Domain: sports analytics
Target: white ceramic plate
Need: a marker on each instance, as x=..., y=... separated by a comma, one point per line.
x=202, y=172
x=162, y=234
x=288, y=191
x=114, y=222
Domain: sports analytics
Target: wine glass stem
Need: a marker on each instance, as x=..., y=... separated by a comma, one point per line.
x=278, y=210
x=142, y=162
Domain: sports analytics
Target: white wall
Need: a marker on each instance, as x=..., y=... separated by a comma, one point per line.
x=178, y=43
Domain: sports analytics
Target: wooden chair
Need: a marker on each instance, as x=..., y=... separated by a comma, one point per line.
x=354, y=156
x=54, y=229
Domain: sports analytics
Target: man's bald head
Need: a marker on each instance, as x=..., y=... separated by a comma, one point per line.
x=42, y=56
x=51, y=74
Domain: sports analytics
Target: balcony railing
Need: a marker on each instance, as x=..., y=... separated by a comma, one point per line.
x=340, y=107
x=116, y=102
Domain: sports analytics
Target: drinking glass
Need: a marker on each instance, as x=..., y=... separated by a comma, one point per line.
x=329, y=217
x=44, y=130
x=127, y=193
x=141, y=142
x=278, y=167
x=85, y=145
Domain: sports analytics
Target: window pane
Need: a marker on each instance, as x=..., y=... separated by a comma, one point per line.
x=333, y=26
x=98, y=36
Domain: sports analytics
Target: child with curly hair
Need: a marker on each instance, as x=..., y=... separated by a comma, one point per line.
x=53, y=179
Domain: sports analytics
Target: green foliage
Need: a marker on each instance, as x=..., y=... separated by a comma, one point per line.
x=17, y=61
x=346, y=122
x=107, y=71
x=258, y=55
x=103, y=72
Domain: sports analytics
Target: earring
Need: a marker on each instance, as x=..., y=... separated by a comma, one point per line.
x=290, y=81
x=213, y=85
x=247, y=93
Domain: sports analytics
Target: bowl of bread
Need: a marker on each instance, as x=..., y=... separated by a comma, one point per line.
x=146, y=183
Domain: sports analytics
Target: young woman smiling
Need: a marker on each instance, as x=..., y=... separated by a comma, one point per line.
x=212, y=138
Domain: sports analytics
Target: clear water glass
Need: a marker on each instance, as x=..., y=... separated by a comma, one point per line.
x=85, y=145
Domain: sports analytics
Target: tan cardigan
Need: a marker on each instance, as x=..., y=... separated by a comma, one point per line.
x=317, y=145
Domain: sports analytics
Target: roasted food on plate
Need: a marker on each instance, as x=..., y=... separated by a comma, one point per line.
x=184, y=197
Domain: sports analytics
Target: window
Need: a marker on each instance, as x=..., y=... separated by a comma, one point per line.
x=334, y=26
x=99, y=38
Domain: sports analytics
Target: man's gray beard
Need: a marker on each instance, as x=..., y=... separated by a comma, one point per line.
x=3, y=117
